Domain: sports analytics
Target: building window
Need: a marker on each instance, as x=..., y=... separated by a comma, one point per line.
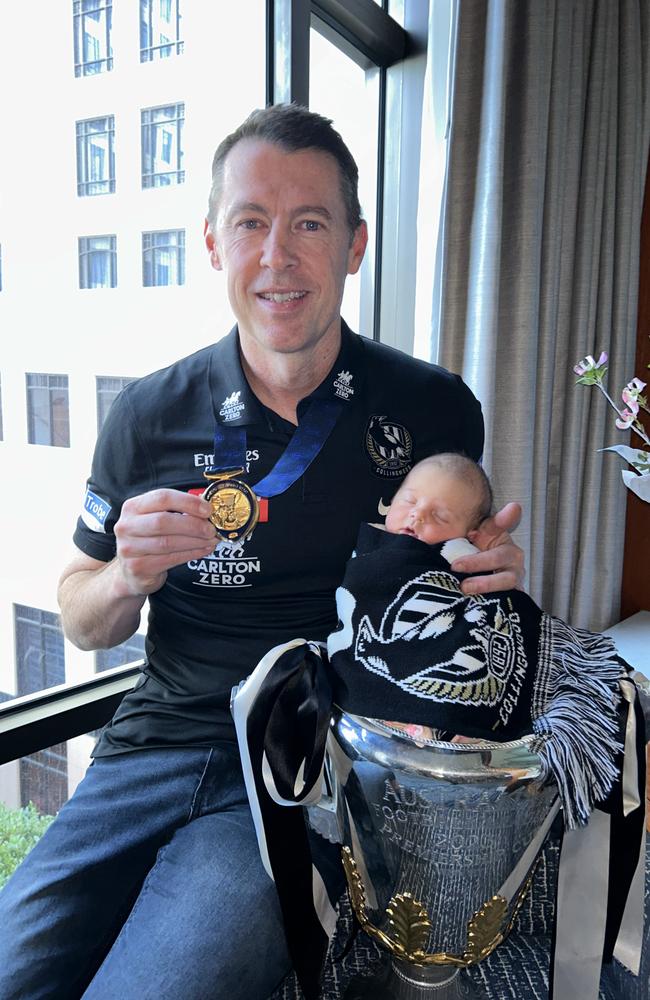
x=126, y=652
x=163, y=258
x=48, y=416
x=96, y=156
x=162, y=145
x=97, y=262
x=108, y=388
x=40, y=664
x=160, y=29
x=93, y=52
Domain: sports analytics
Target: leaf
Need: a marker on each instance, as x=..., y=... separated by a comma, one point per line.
x=485, y=929
x=638, y=484
x=409, y=923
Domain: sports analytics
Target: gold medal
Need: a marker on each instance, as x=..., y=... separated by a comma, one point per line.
x=235, y=508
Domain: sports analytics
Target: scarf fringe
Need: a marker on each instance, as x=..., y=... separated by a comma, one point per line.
x=578, y=727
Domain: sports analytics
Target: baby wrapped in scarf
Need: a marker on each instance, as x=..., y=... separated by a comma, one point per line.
x=492, y=667
x=411, y=646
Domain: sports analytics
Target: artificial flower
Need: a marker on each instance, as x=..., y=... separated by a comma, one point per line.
x=626, y=419
x=591, y=372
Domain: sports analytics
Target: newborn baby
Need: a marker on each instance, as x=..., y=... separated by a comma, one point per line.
x=444, y=496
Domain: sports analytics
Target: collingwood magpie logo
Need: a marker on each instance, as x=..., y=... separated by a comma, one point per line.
x=476, y=646
x=231, y=407
x=389, y=446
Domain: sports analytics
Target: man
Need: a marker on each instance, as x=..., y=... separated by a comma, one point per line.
x=149, y=883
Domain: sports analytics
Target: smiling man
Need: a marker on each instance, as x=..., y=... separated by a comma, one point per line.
x=149, y=883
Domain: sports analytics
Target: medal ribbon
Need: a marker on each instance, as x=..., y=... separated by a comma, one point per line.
x=308, y=438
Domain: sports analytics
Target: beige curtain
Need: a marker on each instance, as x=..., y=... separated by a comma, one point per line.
x=539, y=267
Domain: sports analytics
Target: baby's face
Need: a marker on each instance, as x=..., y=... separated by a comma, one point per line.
x=433, y=506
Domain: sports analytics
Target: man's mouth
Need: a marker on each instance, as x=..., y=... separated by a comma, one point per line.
x=282, y=296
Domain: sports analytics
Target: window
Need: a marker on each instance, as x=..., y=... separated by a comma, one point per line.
x=162, y=145
x=107, y=389
x=163, y=258
x=48, y=417
x=349, y=94
x=40, y=664
x=160, y=29
x=97, y=262
x=92, y=36
x=126, y=652
x=96, y=156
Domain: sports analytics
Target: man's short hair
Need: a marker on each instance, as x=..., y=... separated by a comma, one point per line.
x=459, y=466
x=292, y=127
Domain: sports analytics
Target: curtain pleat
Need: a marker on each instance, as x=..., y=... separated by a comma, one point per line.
x=543, y=200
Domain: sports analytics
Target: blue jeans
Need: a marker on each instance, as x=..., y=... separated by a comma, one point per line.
x=148, y=885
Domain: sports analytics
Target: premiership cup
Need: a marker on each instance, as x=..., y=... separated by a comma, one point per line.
x=439, y=845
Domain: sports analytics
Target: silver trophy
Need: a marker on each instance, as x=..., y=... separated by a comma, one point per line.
x=439, y=846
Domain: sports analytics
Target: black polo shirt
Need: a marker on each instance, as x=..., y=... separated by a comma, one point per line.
x=215, y=618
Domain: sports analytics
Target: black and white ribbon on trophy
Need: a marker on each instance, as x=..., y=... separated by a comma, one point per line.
x=282, y=714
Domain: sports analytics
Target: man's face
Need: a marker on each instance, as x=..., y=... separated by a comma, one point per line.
x=432, y=505
x=282, y=239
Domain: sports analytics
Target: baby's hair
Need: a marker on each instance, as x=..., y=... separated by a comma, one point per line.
x=461, y=467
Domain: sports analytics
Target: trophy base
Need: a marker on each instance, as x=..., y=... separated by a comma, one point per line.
x=403, y=981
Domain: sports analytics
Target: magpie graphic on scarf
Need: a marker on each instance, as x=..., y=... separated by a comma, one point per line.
x=412, y=647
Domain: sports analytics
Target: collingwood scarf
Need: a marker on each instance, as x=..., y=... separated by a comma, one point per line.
x=411, y=647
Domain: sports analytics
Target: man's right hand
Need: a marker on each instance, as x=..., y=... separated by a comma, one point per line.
x=101, y=601
x=157, y=531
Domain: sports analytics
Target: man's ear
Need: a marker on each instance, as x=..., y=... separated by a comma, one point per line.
x=211, y=244
x=357, y=247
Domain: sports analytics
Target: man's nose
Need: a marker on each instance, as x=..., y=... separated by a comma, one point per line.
x=278, y=250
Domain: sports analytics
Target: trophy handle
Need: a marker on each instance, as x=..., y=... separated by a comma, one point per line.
x=324, y=815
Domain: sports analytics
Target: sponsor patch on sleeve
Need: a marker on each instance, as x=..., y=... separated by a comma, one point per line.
x=94, y=512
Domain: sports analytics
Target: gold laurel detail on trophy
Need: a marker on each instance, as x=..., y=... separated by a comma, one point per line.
x=486, y=929
x=410, y=923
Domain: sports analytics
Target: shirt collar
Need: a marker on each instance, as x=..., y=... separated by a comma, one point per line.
x=234, y=402
x=346, y=376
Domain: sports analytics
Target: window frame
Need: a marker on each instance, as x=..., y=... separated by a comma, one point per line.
x=150, y=52
x=85, y=180
x=82, y=66
x=149, y=131
x=150, y=247
x=86, y=252
x=52, y=418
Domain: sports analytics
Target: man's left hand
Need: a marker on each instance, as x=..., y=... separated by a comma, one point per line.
x=499, y=556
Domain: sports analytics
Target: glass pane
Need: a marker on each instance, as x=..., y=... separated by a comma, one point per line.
x=51, y=325
x=32, y=790
x=349, y=95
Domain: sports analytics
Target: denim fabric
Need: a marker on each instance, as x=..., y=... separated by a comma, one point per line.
x=149, y=885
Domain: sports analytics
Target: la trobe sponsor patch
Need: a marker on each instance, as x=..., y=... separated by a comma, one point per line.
x=95, y=511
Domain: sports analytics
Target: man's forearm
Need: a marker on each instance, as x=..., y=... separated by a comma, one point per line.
x=97, y=609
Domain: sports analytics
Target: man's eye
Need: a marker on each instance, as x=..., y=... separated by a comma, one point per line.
x=311, y=225
x=249, y=224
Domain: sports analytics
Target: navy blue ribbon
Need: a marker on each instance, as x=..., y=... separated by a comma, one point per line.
x=308, y=438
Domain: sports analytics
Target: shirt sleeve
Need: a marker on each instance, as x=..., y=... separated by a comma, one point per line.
x=472, y=428
x=120, y=469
